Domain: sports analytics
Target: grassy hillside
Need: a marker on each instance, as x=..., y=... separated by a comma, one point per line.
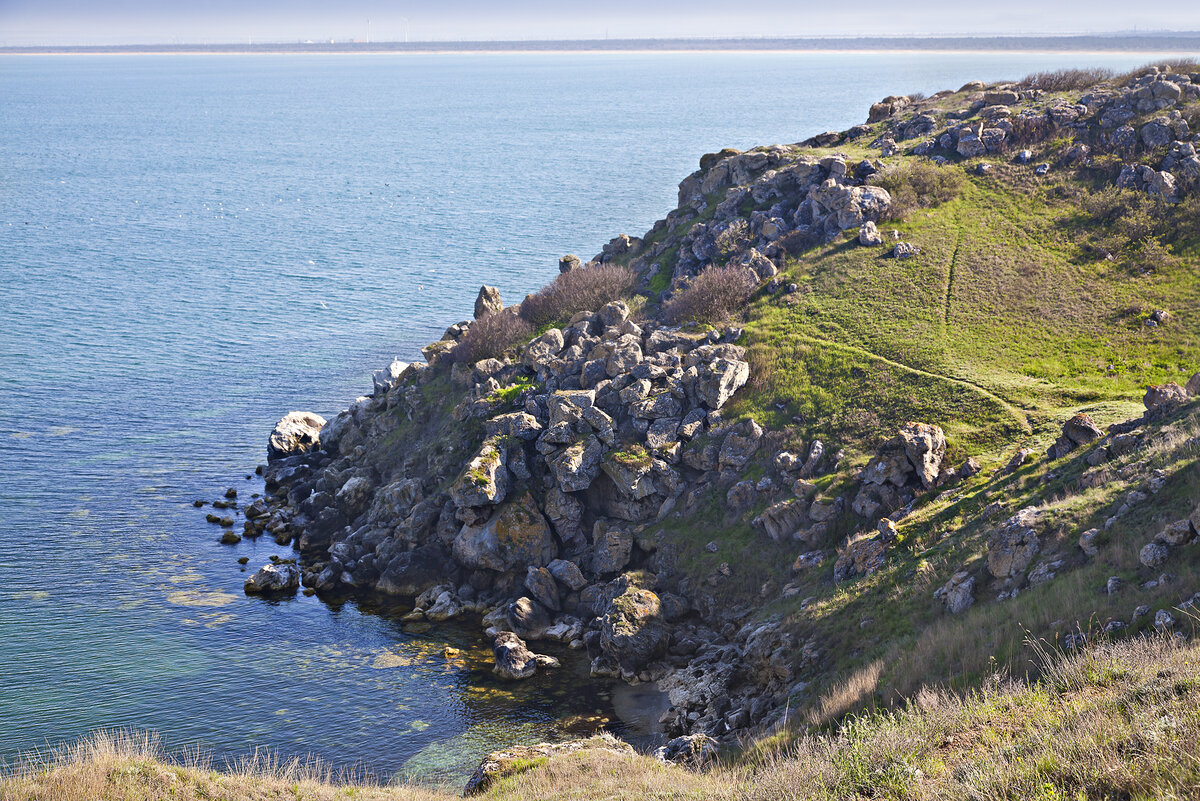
x=1120, y=721
x=1038, y=293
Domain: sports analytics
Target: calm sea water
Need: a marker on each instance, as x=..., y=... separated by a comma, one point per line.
x=190, y=247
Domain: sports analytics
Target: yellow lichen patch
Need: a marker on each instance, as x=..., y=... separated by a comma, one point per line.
x=201, y=598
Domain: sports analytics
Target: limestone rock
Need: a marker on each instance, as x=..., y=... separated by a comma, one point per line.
x=383, y=380
x=577, y=466
x=516, y=537
x=500, y=764
x=695, y=751
x=1164, y=396
x=513, y=660
x=528, y=618
x=631, y=629
x=297, y=432
x=1079, y=430
x=781, y=520
x=719, y=379
x=1011, y=548
x=1153, y=554
x=274, y=579
x=958, y=593
x=540, y=583
x=612, y=547
x=869, y=236
x=484, y=481
x=861, y=558
x=487, y=302
x=925, y=447
x=568, y=574
x=413, y=572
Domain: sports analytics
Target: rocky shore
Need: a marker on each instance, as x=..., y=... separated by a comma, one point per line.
x=529, y=489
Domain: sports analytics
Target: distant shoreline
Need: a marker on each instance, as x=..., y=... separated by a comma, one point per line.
x=1180, y=44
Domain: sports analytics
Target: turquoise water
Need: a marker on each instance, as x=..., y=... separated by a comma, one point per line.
x=192, y=246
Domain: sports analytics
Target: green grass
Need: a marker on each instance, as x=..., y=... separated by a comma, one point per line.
x=999, y=327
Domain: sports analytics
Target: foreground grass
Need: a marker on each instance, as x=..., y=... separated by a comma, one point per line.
x=1121, y=720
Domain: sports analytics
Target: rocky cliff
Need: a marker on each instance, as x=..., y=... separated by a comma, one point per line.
x=666, y=494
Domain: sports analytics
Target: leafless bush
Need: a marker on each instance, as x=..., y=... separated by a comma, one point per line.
x=1185, y=66
x=713, y=296
x=488, y=337
x=587, y=288
x=1066, y=80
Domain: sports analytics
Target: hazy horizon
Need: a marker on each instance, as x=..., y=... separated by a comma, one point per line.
x=140, y=22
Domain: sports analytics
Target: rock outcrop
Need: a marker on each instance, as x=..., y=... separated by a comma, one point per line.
x=296, y=433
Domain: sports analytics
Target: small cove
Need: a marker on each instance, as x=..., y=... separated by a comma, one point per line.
x=192, y=247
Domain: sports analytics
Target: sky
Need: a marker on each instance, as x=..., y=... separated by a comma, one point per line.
x=67, y=22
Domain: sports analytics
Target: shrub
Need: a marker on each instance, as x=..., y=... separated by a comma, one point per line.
x=1066, y=80
x=490, y=336
x=919, y=185
x=586, y=288
x=1182, y=65
x=713, y=296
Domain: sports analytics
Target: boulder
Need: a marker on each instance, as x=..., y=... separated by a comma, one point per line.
x=487, y=302
x=861, y=558
x=540, y=583
x=632, y=631
x=544, y=349
x=383, y=380
x=516, y=537
x=508, y=762
x=1079, y=430
x=1153, y=554
x=528, y=618
x=569, y=262
x=565, y=513
x=925, y=447
x=576, y=466
x=485, y=479
x=568, y=574
x=958, y=593
x=513, y=660
x=1012, y=547
x=1193, y=385
x=413, y=572
x=695, y=751
x=869, y=236
x=518, y=425
x=719, y=379
x=614, y=313
x=354, y=496
x=780, y=521
x=739, y=446
x=1164, y=397
x=612, y=547
x=274, y=579
x=297, y=432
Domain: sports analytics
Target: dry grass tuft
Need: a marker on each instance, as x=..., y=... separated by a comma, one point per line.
x=128, y=766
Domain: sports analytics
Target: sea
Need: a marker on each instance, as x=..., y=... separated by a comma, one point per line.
x=192, y=246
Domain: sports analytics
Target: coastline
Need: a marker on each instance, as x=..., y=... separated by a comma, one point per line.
x=600, y=52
